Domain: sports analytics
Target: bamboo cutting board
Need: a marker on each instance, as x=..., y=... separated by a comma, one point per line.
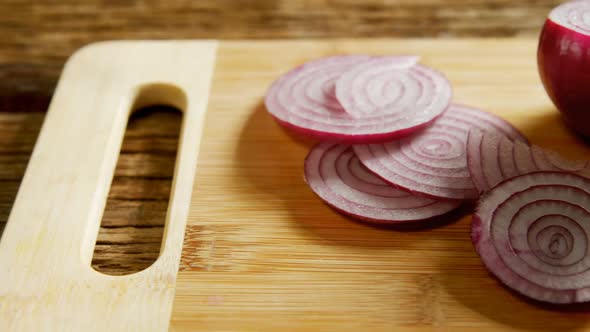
x=262, y=253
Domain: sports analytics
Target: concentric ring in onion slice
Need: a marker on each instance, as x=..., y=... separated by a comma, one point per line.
x=532, y=232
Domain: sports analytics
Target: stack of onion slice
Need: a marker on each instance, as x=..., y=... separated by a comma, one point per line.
x=416, y=156
x=358, y=100
x=399, y=115
x=383, y=98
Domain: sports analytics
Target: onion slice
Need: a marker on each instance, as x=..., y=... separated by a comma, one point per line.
x=493, y=158
x=336, y=175
x=304, y=100
x=433, y=162
x=532, y=232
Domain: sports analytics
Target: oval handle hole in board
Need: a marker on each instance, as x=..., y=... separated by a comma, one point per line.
x=133, y=222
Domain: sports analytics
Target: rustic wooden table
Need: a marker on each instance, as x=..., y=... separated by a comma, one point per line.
x=36, y=37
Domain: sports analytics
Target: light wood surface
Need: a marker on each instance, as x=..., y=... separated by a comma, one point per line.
x=47, y=282
x=262, y=253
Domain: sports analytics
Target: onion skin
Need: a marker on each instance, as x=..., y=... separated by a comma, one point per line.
x=563, y=59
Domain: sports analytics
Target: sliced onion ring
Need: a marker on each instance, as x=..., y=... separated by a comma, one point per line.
x=493, y=158
x=433, y=162
x=335, y=174
x=532, y=232
x=304, y=100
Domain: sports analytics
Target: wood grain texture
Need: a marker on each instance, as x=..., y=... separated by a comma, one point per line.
x=37, y=36
x=262, y=253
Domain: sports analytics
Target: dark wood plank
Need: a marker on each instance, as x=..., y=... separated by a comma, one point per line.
x=123, y=258
x=133, y=221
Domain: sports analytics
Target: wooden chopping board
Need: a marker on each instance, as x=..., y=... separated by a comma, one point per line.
x=262, y=253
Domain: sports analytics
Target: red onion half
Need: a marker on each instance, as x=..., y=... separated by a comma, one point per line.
x=533, y=233
x=335, y=174
x=433, y=162
x=304, y=99
x=564, y=62
x=493, y=157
